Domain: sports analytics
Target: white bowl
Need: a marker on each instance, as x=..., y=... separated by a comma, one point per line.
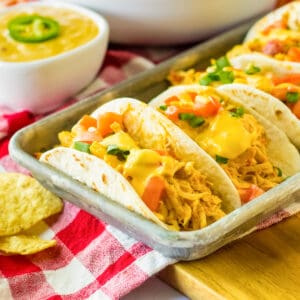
x=166, y=22
x=42, y=85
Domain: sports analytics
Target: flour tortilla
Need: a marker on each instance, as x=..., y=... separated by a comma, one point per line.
x=282, y=153
x=264, y=62
x=268, y=106
x=153, y=131
x=293, y=10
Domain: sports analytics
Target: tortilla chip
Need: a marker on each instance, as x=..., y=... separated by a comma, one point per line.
x=24, y=244
x=23, y=203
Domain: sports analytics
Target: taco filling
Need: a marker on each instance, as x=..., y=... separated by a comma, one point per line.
x=177, y=193
x=278, y=39
x=285, y=87
x=233, y=137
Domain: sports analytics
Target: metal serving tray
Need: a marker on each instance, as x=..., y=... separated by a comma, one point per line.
x=42, y=135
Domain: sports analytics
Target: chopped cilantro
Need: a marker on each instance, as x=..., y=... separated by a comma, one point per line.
x=196, y=122
x=193, y=120
x=252, y=70
x=292, y=97
x=226, y=76
x=237, y=112
x=222, y=62
x=206, y=80
x=219, y=74
x=115, y=150
x=186, y=116
x=223, y=76
x=163, y=107
x=209, y=77
x=279, y=172
x=221, y=159
x=81, y=146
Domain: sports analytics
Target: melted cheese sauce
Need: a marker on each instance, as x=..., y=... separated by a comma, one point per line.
x=141, y=164
x=75, y=30
x=225, y=136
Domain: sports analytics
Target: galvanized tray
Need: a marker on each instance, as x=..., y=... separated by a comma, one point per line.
x=42, y=135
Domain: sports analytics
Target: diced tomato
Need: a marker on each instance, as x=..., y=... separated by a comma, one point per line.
x=173, y=111
x=13, y=2
x=207, y=109
x=294, y=54
x=86, y=130
x=280, y=24
x=280, y=92
x=104, y=122
x=171, y=100
x=162, y=152
x=296, y=109
x=193, y=95
x=153, y=192
x=87, y=121
x=289, y=78
x=273, y=47
x=250, y=193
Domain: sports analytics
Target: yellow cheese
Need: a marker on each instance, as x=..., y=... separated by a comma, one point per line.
x=140, y=165
x=75, y=29
x=225, y=136
x=121, y=139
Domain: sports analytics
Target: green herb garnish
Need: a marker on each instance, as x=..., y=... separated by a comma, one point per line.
x=292, y=97
x=163, y=107
x=226, y=76
x=206, y=80
x=186, y=116
x=115, y=150
x=196, y=122
x=279, y=172
x=222, y=62
x=219, y=74
x=221, y=159
x=237, y=112
x=193, y=120
x=81, y=146
x=209, y=77
x=252, y=70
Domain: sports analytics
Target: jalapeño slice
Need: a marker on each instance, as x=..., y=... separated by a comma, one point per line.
x=33, y=29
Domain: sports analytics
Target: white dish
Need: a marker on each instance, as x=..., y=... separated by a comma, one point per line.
x=42, y=85
x=166, y=22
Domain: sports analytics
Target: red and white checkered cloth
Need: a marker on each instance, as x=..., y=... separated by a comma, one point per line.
x=92, y=260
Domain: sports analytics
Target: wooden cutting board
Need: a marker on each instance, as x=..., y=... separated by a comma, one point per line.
x=262, y=265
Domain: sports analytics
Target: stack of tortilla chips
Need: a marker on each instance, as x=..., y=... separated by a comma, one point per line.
x=24, y=204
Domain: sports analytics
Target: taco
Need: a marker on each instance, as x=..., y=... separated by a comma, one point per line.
x=272, y=43
x=130, y=153
x=278, y=98
x=255, y=154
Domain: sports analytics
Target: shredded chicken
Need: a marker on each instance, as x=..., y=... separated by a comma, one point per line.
x=253, y=166
x=189, y=203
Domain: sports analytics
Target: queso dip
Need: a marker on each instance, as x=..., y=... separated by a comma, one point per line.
x=75, y=29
